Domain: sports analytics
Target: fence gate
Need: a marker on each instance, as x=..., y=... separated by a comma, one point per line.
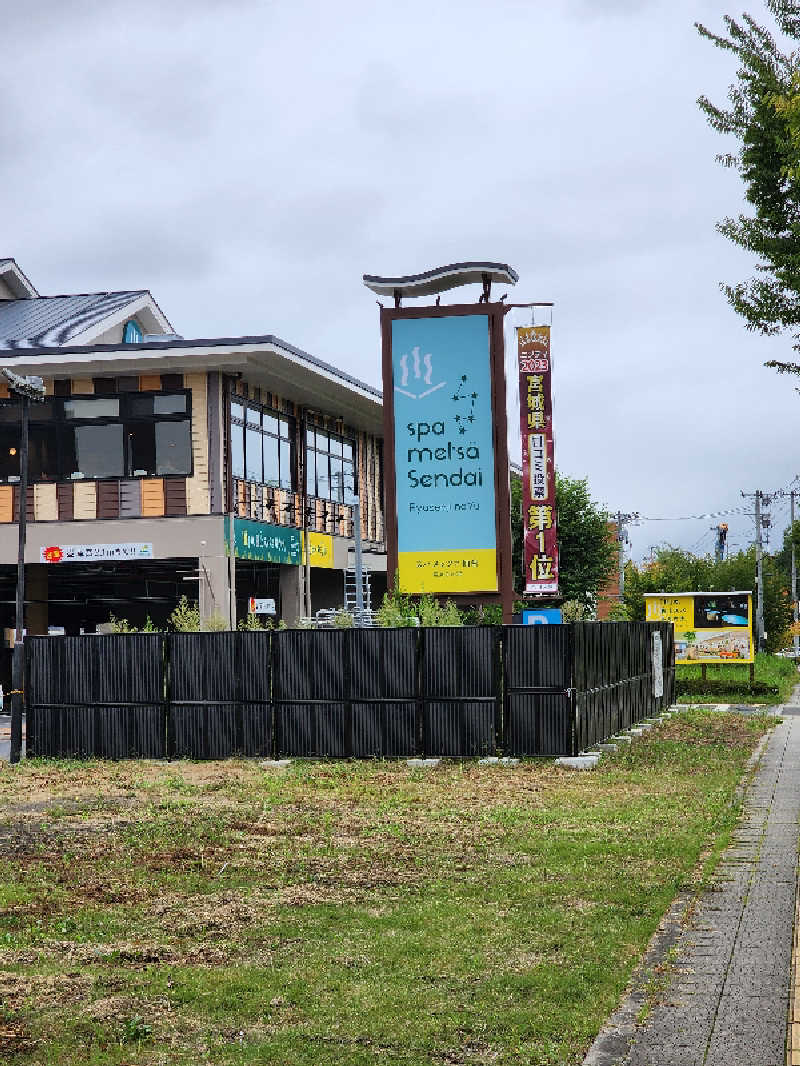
x=539, y=701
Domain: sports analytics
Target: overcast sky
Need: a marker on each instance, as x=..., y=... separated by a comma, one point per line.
x=248, y=161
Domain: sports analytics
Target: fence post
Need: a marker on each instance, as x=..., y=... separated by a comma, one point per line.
x=571, y=676
x=349, y=637
x=420, y=721
x=238, y=706
x=277, y=737
x=169, y=724
x=501, y=680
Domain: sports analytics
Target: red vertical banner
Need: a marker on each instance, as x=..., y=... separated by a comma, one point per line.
x=540, y=551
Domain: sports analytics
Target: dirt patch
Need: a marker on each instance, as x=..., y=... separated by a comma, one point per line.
x=18, y=990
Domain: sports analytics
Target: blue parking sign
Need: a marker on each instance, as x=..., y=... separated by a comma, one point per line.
x=543, y=616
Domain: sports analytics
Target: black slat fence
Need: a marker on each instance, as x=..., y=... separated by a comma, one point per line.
x=348, y=693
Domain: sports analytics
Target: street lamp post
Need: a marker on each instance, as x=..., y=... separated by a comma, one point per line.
x=27, y=389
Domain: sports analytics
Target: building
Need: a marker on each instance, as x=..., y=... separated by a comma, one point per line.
x=162, y=467
x=608, y=599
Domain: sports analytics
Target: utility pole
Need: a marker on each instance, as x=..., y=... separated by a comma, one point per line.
x=759, y=577
x=622, y=539
x=794, y=578
x=760, y=498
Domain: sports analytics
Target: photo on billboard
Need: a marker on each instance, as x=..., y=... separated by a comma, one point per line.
x=720, y=610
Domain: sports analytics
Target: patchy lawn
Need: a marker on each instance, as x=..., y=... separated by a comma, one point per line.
x=345, y=913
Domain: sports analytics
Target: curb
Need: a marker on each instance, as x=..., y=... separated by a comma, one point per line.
x=793, y=1021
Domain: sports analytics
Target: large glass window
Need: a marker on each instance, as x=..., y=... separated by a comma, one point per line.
x=72, y=438
x=262, y=445
x=331, y=469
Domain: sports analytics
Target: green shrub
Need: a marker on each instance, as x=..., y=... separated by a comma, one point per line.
x=186, y=617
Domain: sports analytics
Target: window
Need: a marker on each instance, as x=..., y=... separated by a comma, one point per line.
x=132, y=332
x=262, y=445
x=330, y=471
x=94, y=437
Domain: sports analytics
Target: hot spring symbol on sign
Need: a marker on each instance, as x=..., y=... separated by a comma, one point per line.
x=427, y=362
x=444, y=455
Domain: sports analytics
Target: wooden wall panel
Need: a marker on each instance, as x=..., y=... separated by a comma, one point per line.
x=108, y=499
x=130, y=499
x=4, y=394
x=175, y=496
x=153, y=496
x=45, y=503
x=197, y=495
x=241, y=507
x=82, y=386
x=216, y=438
x=65, y=497
x=6, y=503
x=149, y=382
x=29, y=510
x=85, y=499
x=49, y=387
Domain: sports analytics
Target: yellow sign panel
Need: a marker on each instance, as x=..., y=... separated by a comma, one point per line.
x=320, y=549
x=710, y=627
x=453, y=571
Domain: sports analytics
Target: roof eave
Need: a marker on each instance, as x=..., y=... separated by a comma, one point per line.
x=268, y=361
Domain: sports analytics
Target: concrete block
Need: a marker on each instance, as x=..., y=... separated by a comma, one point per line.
x=275, y=764
x=496, y=760
x=608, y=747
x=422, y=764
x=578, y=762
x=623, y=739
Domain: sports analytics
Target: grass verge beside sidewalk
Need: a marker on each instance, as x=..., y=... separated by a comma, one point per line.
x=345, y=913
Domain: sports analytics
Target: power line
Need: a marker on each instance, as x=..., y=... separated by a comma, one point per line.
x=717, y=514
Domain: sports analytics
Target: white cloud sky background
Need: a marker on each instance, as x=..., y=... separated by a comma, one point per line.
x=249, y=161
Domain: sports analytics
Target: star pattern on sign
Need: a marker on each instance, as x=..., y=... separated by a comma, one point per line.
x=462, y=396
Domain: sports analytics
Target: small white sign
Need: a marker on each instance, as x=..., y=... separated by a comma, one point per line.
x=261, y=606
x=658, y=666
x=82, y=553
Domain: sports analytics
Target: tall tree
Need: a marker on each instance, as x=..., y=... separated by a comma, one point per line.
x=764, y=116
x=587, y=554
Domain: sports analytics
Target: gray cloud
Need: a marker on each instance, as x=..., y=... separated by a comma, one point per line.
x=249, y=161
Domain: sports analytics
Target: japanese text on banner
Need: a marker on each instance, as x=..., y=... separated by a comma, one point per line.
x=538, y=469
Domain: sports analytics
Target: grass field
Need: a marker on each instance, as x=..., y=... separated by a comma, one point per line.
x=771, y=669
x=346, y=913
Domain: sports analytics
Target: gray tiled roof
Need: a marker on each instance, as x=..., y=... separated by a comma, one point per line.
x=56, y=320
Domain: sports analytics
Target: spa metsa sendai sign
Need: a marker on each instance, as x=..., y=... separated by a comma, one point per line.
x=444, y=454
x=445, y=461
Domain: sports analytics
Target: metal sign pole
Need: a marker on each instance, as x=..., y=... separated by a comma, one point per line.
x=359, y=562
x=18, y=664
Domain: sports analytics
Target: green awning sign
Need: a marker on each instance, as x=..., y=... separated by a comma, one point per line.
x=262, y=542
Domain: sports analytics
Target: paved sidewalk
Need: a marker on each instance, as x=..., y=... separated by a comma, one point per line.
x=728, y=999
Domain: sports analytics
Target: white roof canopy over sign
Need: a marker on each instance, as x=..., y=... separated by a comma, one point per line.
x=442, y=278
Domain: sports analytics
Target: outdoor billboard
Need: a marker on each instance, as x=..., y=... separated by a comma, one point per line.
x=446, y=450
x=540, y=551
x=710, y=627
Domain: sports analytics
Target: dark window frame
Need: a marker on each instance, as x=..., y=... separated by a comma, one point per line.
x=63, y=424
x=315, y=454
x=285, y=442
